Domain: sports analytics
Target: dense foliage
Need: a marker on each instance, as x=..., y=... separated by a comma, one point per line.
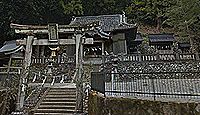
x=183, y=15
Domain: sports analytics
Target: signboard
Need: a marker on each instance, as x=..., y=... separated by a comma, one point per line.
x=53, y=32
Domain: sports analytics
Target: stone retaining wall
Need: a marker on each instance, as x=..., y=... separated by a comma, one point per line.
x=6, y=107
x=100, y=105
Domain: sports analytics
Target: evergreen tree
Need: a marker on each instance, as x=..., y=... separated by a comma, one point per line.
x=150, y=11
x=185, y=18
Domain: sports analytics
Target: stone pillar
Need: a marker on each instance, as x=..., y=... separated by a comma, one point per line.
x=78, y=43
x=177, y=56
x=28, y=52
x=23, y=80
x=197, y=55
x=79, y=82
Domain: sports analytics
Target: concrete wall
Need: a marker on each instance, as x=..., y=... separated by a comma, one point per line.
x=99, y=105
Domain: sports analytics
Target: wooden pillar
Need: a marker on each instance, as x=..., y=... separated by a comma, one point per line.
x=37, y=51
x=42, y=51
x=125, y=47
x=23, y=80
x=9, y=64
x=7, y=83
x=102, y=48
x=42, y=54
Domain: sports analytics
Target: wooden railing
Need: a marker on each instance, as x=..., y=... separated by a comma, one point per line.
x=10, y=70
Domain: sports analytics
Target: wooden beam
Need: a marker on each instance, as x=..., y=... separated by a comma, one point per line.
x=60, y=42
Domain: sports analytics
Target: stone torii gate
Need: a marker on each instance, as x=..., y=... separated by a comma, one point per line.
x=53, y=40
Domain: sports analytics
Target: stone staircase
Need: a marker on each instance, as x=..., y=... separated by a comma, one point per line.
x=57, y=101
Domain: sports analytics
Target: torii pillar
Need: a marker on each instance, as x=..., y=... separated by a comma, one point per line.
x=23, y=78
x=79, y=67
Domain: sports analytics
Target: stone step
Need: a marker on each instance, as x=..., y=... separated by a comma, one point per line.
x=62, y=93
x=54, y=111
x=62, y=88
x=54, y=114
x=60, y=96
x=56, y=91
x=59, y=99
x=72, y=87
x=57, y=107
x=58, y=103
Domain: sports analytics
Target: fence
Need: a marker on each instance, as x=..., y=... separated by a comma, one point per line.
x=173, y=86
x=156, y=86
x=150, y=79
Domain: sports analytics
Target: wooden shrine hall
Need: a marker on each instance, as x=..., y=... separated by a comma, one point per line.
x=100, y=34
x=59, y=50
x=84, y=36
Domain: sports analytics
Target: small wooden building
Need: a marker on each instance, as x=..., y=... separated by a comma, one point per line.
x=11, y=61
x=10, y=53
x=184, y=47
x=161, y=42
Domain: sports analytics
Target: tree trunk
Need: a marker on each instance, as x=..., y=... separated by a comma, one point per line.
x=158, y=21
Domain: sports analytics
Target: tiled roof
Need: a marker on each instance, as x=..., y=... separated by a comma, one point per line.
x=98, y=31
x=184, y=45
x=108, y=23
x=138, y=37
x=10, y=47
x=161, y=37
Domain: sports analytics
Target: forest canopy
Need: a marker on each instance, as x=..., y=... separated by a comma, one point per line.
x=182, y=16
